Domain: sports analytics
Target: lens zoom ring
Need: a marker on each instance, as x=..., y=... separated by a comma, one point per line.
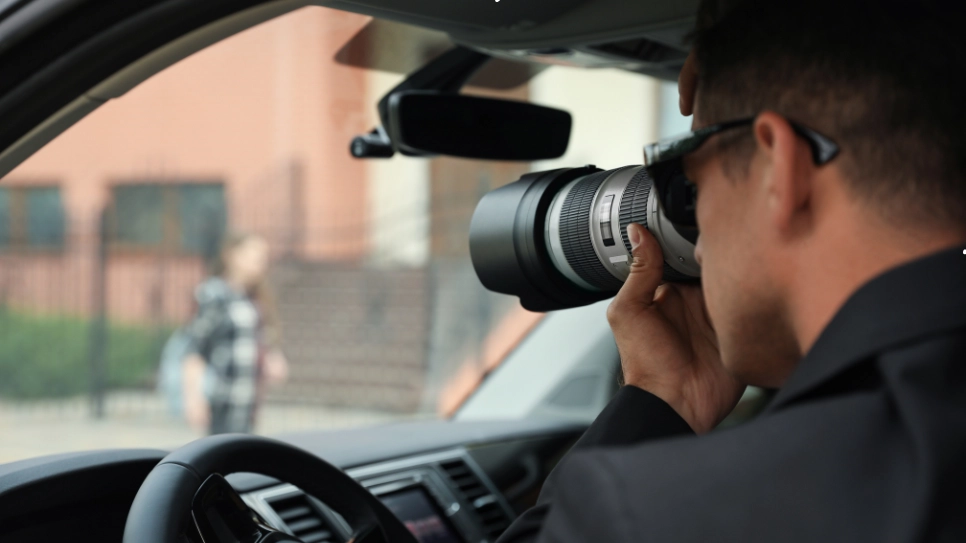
x=634, y=204
x=634, y=210
x=575, y=218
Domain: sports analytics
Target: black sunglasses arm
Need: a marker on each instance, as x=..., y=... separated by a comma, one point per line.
x=823, y=148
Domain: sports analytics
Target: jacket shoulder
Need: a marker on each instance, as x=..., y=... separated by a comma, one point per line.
x=765, y=480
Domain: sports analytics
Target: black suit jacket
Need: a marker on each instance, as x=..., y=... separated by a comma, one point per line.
x=865, y=442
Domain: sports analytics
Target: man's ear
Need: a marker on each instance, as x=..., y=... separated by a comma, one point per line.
x=785, y=163
x=688, y=84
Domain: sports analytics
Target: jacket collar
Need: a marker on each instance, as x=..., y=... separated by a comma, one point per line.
x=922, y=297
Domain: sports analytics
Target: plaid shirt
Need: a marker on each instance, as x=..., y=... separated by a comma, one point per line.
x=225, y=332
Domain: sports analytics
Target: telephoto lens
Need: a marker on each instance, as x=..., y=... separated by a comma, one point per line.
x=558, y=239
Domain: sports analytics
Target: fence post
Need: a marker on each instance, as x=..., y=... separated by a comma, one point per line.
x=98, y=345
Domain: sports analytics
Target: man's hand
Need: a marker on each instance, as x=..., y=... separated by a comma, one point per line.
x=665, y=340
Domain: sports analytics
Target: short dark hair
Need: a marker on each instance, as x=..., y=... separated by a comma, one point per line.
x=885, y=79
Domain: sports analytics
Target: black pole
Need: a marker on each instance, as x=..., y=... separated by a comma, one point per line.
x=98, y=352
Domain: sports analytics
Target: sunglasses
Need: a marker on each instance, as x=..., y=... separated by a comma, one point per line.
x=664, y=163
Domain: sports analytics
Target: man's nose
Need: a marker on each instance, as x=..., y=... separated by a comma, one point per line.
x=697, y=251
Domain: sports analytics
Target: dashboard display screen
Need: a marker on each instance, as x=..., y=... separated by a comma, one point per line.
x=421, y=515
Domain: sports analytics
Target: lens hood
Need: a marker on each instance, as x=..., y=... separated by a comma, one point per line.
x=508, y=247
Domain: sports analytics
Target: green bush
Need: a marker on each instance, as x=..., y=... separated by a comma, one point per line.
x=50, y=356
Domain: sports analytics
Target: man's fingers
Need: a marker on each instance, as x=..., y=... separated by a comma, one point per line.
x=647, y=265
x=687, y=84
x=647, y=271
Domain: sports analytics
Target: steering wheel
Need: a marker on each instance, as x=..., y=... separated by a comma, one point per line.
x=186, y=491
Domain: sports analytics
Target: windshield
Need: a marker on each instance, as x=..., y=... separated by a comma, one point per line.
x=213, y=215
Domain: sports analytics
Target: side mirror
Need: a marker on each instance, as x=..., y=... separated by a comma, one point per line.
x=432, y=123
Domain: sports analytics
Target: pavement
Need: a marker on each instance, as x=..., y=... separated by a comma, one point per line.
x=140, y=420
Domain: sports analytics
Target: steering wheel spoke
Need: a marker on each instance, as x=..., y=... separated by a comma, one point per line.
x=222, y=516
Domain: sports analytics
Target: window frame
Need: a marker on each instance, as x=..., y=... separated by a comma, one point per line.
x=19, y=229
x=172, y=227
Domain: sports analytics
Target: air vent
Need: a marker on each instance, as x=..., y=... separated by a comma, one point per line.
x=303, y=519
x=493, y=517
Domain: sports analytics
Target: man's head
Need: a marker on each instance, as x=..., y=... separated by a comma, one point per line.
x=784, y=241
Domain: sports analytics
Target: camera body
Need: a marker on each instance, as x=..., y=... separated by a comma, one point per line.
x=558, y=239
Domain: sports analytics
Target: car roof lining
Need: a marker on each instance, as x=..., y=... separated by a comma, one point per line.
x=539, y=23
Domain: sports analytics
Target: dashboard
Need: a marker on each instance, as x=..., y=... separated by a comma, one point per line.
x=443, y=497
x=447, y=481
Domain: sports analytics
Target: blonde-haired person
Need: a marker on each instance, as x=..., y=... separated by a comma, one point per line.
x=233, y=340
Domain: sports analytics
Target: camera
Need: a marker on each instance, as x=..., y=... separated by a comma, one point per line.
x=558, y=239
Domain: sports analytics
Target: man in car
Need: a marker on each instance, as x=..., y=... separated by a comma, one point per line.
x=833, y=253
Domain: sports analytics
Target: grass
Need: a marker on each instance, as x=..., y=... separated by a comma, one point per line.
x=50, y=356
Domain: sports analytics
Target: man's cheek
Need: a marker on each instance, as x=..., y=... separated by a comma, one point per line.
x=711, y=288
x=713, y=262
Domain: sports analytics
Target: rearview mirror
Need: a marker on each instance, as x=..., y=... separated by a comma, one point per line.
x=432, y=123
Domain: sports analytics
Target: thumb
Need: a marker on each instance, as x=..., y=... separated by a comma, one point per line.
x=647, y=268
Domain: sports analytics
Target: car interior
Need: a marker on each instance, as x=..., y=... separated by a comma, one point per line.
x=462, y=476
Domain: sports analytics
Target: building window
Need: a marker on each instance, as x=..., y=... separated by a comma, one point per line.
x=180, y=217
x=32, y=218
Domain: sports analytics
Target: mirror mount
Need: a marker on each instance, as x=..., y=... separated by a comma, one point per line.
x=375, y=144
